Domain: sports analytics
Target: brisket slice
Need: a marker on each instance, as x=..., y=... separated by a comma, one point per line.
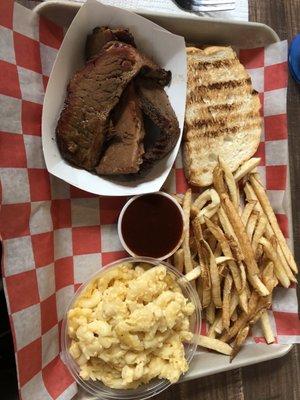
x=125, y=148
x=156, y=105
x=92, y=94
x=102, y=35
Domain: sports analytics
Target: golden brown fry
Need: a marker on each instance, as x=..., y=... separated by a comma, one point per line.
x=193, y=274
x=218, y=180
x=272, y=255
x=239, y=341
x=212, y=344
x=218, y=251
x=246, y=168
x=226, y=225
x=259, y=231
x=258, y=285
x=243, y=319
x=265, y=204
x=230, y=182
x=269, y=277
x=234, y=316
x=219, y=235
x=236, y=252
x=234, y=300
x=212, y=330
x=214, y=274
x=266, y=327
x=226, y=302
x=243, y=275
x=249, y=207
x=243, y=239
x=210, y=313
x=188, y=265
x=223, y=259
x=179, y=260
x=243, y=301
x=251, y=224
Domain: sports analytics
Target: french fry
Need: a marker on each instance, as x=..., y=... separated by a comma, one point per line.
x=210, y=313
x=251, y=224
x=246, y=168
x=243, y=319
x=193, y=274
x=259, y=231
x=214, y=274
x=243, y=275
x=266, y=327
x=212, y=330
x=223, y=259
x=186, y=205
x=234, y=316
x=194, y=210
x=243, y=239
x=212, y=344
x=249, y=207
x=225, y=223
x=179, y=260
x=265, y=204
x=243, y=301
x=218, y=251
x=219, y=235
x=234, y=301
x=272, y=255
x=239, y=341
x=226, y=302
x=230, y=182
x=258, y=285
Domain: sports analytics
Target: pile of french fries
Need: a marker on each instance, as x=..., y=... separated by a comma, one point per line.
x=234, y=254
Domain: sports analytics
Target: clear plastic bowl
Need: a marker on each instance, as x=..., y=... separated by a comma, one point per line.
x=97, y=388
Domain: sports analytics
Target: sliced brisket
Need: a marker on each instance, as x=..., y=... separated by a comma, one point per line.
x=125, y=149
x=103, y=35
x=156, y=105
x=92, y=94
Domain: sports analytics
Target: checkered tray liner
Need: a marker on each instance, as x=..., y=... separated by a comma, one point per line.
x=54, y=235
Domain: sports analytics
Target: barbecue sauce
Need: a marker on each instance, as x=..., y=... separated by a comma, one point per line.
x=152, y=226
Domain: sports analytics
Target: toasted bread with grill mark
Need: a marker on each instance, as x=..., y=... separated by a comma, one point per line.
x=222, y=113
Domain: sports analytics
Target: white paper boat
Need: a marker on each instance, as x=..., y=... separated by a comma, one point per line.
x=166, y=49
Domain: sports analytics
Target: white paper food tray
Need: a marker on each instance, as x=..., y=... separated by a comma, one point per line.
x=203, y=31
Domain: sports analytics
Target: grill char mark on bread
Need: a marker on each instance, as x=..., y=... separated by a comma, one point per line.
x=222, y=113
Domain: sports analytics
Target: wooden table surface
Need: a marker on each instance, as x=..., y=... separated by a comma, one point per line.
x=278, y=379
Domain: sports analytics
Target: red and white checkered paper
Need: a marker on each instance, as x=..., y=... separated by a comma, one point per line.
x=55, y=236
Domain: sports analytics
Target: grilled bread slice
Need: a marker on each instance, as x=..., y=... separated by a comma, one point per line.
x=222, y=113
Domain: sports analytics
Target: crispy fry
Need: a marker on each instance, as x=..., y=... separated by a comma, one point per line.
x=249, y=207
x=219, y=235
x=212, y=330
x=236, y=252
x=272, y=255
x=225, y=223
x=218, y=251
x=193, y=274
x=239, y=341
x=234, y=316
x=246, y=168
x=226, y=302
x=188, y=265
x=210, y=313
x=258, y=285
x=179, y=260
x=230, y=182
x=234, y=300
x=243, y=301
x=243, y=239
x=251, y=224
x=212, y=344
x=269, y=277
x=266, y=327
x=243, y=319
x=243, y=275
x=214, y=274
x=265, y=204
x=259, y=231
x=218, y=180
x=223, y=259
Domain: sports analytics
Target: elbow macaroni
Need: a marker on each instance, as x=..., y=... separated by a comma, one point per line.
x=128, y=327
